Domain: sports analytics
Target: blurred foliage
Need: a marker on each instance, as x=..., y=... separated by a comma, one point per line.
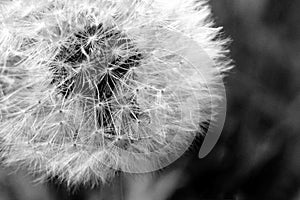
x=258, y=155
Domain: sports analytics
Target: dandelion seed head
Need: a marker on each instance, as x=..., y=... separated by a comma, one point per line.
x=89, y=88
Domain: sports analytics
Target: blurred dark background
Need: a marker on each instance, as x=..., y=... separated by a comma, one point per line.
x=258, y=155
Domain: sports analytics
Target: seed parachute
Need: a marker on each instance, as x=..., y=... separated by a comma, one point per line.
x=88, y=88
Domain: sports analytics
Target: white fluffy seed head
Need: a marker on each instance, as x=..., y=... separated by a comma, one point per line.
x=91, y=87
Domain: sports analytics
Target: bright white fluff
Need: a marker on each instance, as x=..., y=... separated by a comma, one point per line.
x=91, y=87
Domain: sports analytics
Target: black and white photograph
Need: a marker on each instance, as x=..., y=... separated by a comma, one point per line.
x=149, y=100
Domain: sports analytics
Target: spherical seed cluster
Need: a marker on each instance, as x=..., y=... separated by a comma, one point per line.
x=91, y=87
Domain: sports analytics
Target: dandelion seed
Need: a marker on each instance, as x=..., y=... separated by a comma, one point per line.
x=92, y=87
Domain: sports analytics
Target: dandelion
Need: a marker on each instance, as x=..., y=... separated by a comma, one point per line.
x=88, y=88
